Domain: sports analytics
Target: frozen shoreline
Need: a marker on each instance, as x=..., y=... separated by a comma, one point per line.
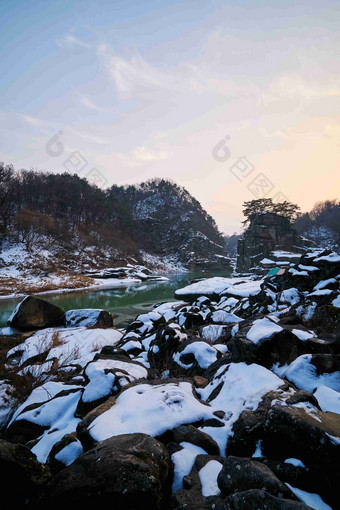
x=110, y=283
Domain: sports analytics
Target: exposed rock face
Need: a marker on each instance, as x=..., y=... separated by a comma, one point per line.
x=267, y=232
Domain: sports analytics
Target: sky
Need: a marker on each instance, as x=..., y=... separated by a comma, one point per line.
x=234, y=100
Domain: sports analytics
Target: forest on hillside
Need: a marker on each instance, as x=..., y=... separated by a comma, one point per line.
x=156, y=216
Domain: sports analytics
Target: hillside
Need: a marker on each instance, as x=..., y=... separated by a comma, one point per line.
x=59, y=225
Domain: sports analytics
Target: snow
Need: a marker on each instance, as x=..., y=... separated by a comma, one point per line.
x=183, y=461
x=76, y=345
x=328, y=398
x=321, y=292
x=208, y=287
x=83, y=317
x=70, y=453
x=302, y=335
x=243, y=387
x=223, y=317
x=336, y=301
x=295, y=462
x=150, y=409
x=285, y=254
x=295, y=272
x=310, y=499
x=212, y=332
x=58, y=416
x=208, y=476
x=332, y=257
x=246, y=289
x=258, y=450
x=308, y=268
x=266, y=261
x=291, y=296
x=101, y=380
x=261, y=329
x=43, y=393
x=323, y=283
x=5, y=405
x=204, y=354
x=304, y=375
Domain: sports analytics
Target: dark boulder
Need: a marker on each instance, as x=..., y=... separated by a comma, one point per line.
x=22, y=476
x=241, y=474
x=127, y=471
x=256, y=499
x=34, y=313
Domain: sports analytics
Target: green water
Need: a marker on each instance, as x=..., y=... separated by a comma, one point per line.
x=125, y=302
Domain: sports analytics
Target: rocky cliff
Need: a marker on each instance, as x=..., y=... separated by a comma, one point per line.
x=268, y=232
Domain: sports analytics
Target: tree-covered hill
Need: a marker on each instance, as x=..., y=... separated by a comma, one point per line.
x=83, y=223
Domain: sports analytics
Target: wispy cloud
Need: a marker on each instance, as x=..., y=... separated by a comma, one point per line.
x=33, y=121
x=86, y=101
x=70, y=41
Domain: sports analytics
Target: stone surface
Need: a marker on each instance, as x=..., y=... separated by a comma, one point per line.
x=127, y=471
x=22, y=476
x=35, y=313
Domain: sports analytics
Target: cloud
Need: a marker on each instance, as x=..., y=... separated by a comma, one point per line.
x=86, y=101
x=70, y=41
x=143, y=154
x=33, y=121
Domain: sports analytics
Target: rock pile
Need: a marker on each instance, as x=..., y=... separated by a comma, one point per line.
x=226, y=398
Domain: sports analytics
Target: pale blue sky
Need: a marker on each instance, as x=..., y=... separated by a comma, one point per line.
x=145, y=89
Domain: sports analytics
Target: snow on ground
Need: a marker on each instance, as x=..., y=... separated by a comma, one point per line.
x=209, y=286
x=310, y=499
x=243, y=387
x=70, y=453
x=222, y=317
x=68, y=345
x=294, y=462
x=261, y=329
x=291, y=296
x=43, y=393
x=303, y=374
x=303, y=335
x=150, y=410
x=82, y=317
x=59, y=419
x=336, y=301
x=204, y=353
x=332, y=257
x=101, y=379
x=183, y=461
x=208, y=476
x=212, y=332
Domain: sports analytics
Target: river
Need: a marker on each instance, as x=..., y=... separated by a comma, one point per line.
x=125, y=302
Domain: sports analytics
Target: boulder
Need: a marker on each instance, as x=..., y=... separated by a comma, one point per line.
x=88, y=317
x=241, y=474
x=193, y=435
x=35, y=313
x=127, y=471
x=193, y=356
x=301, y=431
x=256, y=499
x=22, y=476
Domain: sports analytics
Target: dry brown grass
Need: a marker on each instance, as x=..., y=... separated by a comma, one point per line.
x=21, y=286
